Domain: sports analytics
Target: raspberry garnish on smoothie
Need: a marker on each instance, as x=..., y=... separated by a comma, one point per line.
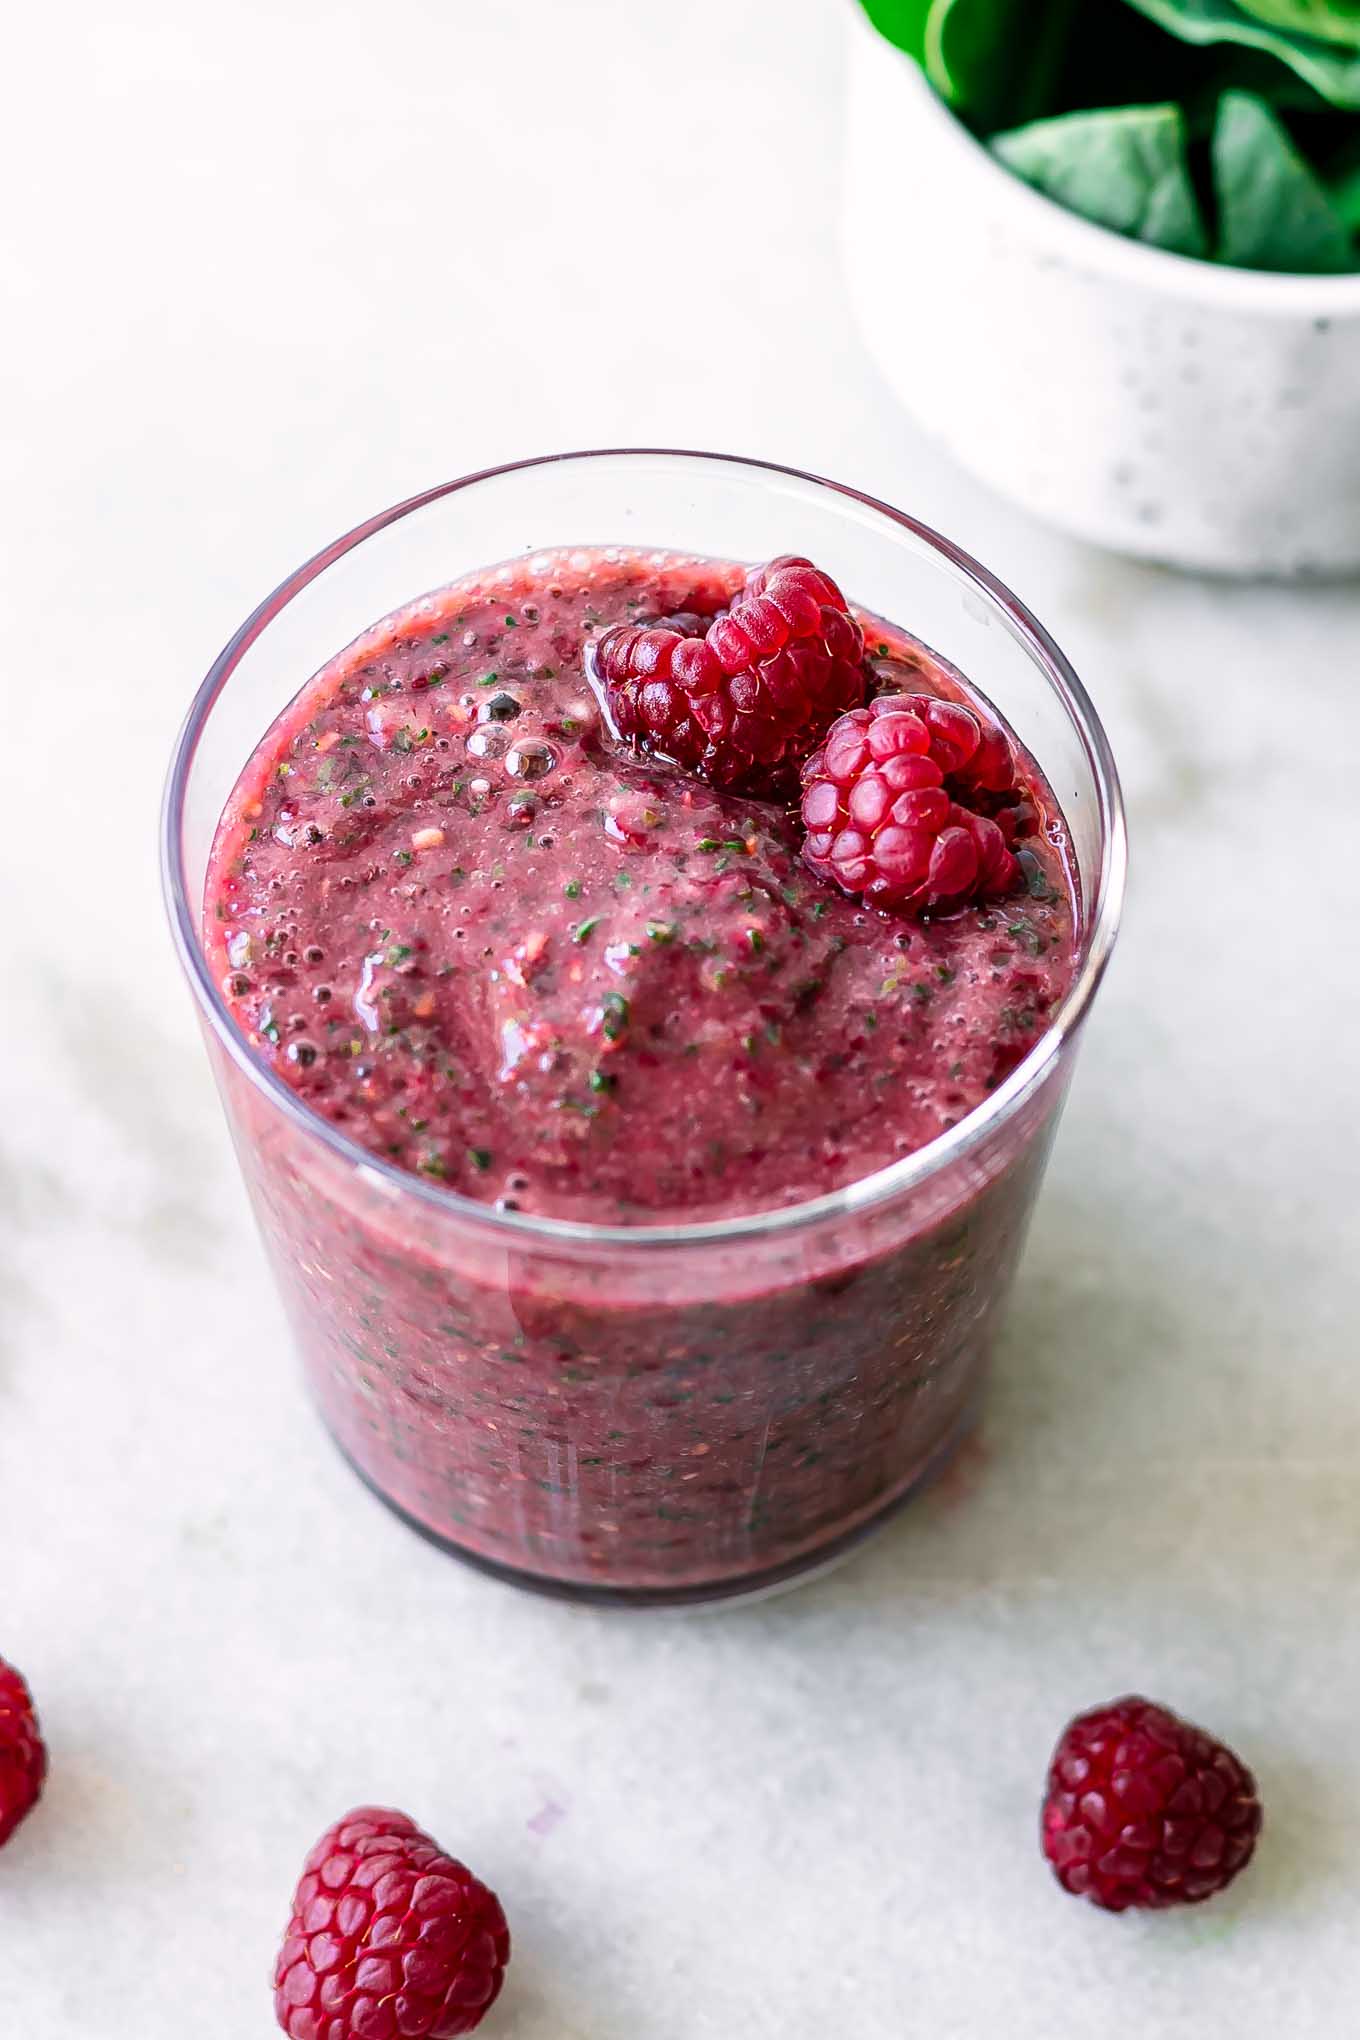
x=740, y=698
x=880, y=821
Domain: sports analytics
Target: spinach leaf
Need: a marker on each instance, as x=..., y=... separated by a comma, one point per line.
x=1329, y=70
x=985, y=58
x=1332, y=20
x=966, y=45
x=997, y=61
x=1123, y=167
x=903, y=22
x=1083, y=92
x=1339, y=168
x=1273, y=213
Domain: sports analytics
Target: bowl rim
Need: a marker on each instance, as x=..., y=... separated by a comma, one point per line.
x=1285, y=294
x=183, y=905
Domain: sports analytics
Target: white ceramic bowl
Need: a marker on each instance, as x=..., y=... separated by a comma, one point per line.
x=1203, y=416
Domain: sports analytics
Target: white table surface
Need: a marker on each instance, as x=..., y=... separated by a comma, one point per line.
x=260, y=277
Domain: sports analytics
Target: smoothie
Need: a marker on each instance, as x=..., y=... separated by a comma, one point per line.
x=510, y=954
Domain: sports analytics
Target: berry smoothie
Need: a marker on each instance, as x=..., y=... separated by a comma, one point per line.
x=563, y=976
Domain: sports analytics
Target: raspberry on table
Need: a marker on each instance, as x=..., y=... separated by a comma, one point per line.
x=881, y=821
x=389, y=1938
x=1145, y=1810
x=741, y=698
x=23, y=1756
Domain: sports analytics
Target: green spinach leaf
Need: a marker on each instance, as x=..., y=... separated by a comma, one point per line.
x=1339, y=168
x=1329, y=70
x=1273, y=213
x=997, y=61
x=993, y=61
x=1076, y=88
x=903, y=22
x=1123, y=167
x=1330, y=20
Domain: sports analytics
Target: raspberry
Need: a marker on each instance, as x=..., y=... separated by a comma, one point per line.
x=880, y=821
x=23, y=1758
x=739, y=699
x=1144, y=1810
x=979, y=759
x=793, y=567
x=389, y=1937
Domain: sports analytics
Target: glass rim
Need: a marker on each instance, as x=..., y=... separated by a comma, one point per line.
x=514, y=1228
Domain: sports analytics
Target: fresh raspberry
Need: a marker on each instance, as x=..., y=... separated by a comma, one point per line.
x=23, y=1758
x=793, y=566
x=1144, y=1810
x=979, y=759
x=739, y=699
x=389, y=1937
x=880, y=821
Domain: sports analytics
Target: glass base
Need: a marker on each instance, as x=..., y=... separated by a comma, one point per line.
x=756, y=1586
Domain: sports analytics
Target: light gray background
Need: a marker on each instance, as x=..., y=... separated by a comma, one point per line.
x=261, y=275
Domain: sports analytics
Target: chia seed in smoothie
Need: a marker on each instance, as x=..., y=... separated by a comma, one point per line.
x=501, y=952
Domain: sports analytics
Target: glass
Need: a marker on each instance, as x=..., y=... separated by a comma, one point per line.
x=645, y=1414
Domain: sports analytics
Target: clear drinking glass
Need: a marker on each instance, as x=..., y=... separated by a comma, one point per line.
x=647, y=1413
